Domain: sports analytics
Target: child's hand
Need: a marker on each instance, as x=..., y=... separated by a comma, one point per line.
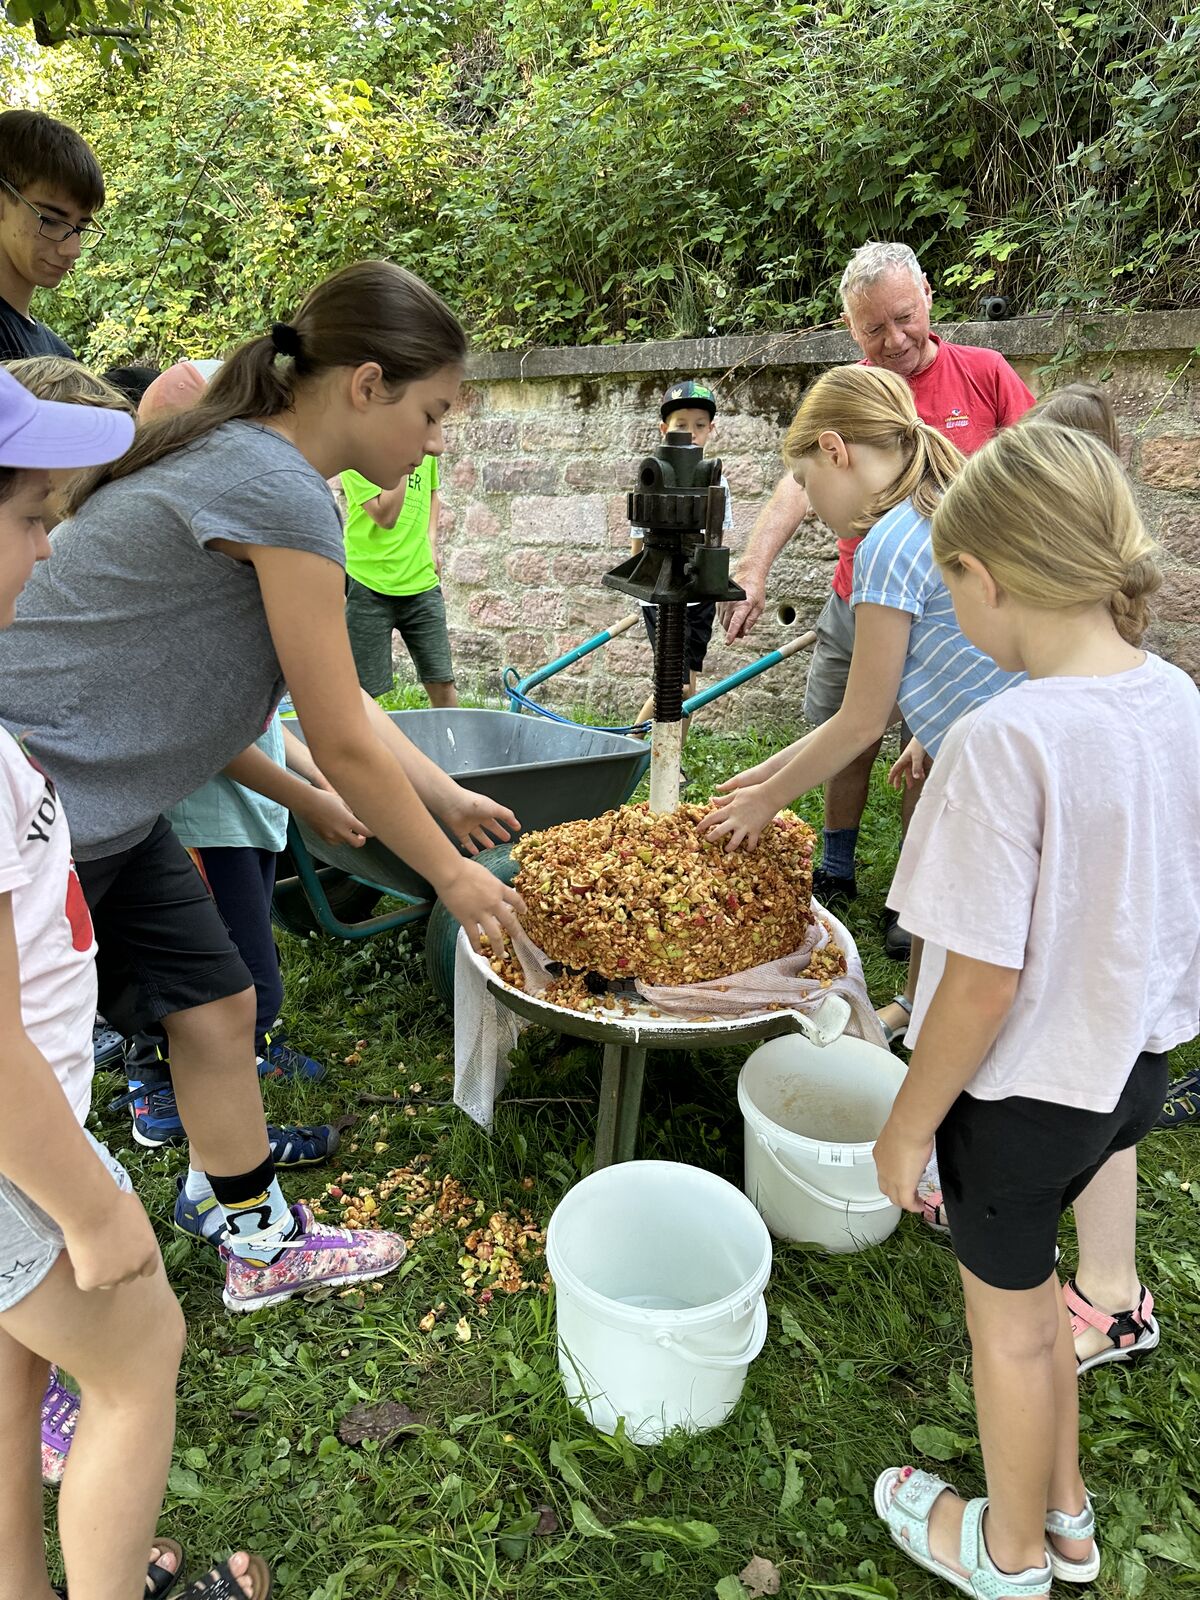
x=900, y=1160
x=476, y=821
x=753, y=776
x=116, y=1246
x=911, y=768
x=331, y=819
x=482, y=904
x=740, y=818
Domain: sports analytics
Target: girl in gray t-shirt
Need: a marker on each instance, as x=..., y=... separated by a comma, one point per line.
x=192, y=581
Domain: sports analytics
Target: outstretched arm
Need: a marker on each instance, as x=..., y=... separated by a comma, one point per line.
x=777, y=522
x=355, y=745
x=880, y=647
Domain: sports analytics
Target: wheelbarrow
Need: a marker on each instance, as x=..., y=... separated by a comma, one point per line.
x=546, y=772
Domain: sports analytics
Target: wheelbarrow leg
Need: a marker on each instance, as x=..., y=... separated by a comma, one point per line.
x=620, y=1104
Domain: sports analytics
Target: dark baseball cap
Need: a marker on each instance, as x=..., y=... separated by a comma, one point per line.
x=687, y=394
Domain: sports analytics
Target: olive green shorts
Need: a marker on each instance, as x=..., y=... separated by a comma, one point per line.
x=419, y=619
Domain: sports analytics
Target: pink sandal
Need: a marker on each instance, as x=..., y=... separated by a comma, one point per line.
x=1130, y=1333
x=933, y=1210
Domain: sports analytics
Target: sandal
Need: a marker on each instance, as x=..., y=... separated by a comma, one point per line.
x=158, y=1580
x=933, y=1210
x=906, y=1513
x=1082, y=1526
x=220, y=1583
x=1131, y=1333
x=895, y=1035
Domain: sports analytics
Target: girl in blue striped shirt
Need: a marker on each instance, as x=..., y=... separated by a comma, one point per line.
x=871, y=467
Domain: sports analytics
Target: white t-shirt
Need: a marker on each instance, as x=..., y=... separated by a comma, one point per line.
x=1059, y=834
x=55, y=944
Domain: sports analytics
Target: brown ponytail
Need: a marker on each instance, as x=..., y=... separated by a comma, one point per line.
x=866, y=405
x=1080, y=405
x=371, y=311
x=1049, y=512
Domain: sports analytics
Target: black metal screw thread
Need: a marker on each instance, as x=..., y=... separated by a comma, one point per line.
x=669, y=663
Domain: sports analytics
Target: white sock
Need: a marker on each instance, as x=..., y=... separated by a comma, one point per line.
x=196, y=1186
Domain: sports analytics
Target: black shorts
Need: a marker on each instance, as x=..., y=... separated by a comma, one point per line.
x=1010, y=1168
x=700, y=620
x=162, y=944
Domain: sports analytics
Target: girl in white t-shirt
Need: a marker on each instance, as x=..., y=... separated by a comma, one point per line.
x=1051, y=870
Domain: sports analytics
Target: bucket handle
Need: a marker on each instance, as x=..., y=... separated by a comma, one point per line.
x=828, y=1022
x=832, y=1155
x=851, y=1207
x=758, y=1337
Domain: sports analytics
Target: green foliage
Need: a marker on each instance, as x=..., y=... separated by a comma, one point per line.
x=114, y=29
x=640, y=169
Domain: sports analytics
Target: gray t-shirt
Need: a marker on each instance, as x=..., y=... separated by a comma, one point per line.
x=140, y=662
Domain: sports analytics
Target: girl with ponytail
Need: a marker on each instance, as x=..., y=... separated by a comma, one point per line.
x=1052, y=872
x=197, y=578
x=869, y=465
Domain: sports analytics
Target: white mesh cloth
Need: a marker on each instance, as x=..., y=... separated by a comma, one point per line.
x=485, y=1030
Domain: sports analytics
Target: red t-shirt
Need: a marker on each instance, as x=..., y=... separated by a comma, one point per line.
x=967, y=392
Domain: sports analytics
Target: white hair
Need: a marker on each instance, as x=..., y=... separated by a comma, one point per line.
x=874, y=260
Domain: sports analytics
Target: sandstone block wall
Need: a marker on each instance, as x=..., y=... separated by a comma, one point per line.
x=546, y=445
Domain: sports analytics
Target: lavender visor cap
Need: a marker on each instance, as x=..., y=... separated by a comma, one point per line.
x=45, y=433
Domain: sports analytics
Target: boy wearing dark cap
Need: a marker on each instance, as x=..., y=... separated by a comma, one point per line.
x=50, y=188
x=688, y=407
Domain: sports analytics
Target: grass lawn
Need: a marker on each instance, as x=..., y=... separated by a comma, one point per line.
x=501, y=1489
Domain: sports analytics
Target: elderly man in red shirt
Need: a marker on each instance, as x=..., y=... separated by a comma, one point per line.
x=967, y=392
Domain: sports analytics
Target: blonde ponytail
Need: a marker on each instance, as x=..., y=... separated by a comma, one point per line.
x=866, y=405
x=1050, y=514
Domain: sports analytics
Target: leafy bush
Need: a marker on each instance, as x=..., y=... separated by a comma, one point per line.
x=640, y=170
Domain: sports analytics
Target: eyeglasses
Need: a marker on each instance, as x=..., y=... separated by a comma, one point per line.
x=56, y=228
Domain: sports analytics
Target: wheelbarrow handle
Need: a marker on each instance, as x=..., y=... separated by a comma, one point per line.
x=744, y=674
x=577, y=654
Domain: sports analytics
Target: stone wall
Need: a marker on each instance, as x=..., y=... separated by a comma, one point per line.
x=546, y=444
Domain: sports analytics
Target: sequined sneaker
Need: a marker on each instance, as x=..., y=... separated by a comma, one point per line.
x=60, y=1413
x=316, y=1257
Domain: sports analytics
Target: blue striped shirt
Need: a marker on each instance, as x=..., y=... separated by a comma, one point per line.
x=943, y=674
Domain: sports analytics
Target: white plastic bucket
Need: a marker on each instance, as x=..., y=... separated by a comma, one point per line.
x=659, y=1271
x=812, y=1114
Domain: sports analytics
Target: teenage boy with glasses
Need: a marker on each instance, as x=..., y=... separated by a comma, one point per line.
x=50, y=187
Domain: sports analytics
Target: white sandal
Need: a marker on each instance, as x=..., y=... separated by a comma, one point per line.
x=906, y=1510
x=894, y=1035
x=1082, y=1526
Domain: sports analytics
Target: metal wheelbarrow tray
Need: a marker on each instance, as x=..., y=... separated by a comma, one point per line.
x=545, y=772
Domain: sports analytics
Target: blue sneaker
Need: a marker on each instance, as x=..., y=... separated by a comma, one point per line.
x=290, y=1147
x=277, y=1059
x=155, y=1115
x=303, y=1146
x=108, y=1046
